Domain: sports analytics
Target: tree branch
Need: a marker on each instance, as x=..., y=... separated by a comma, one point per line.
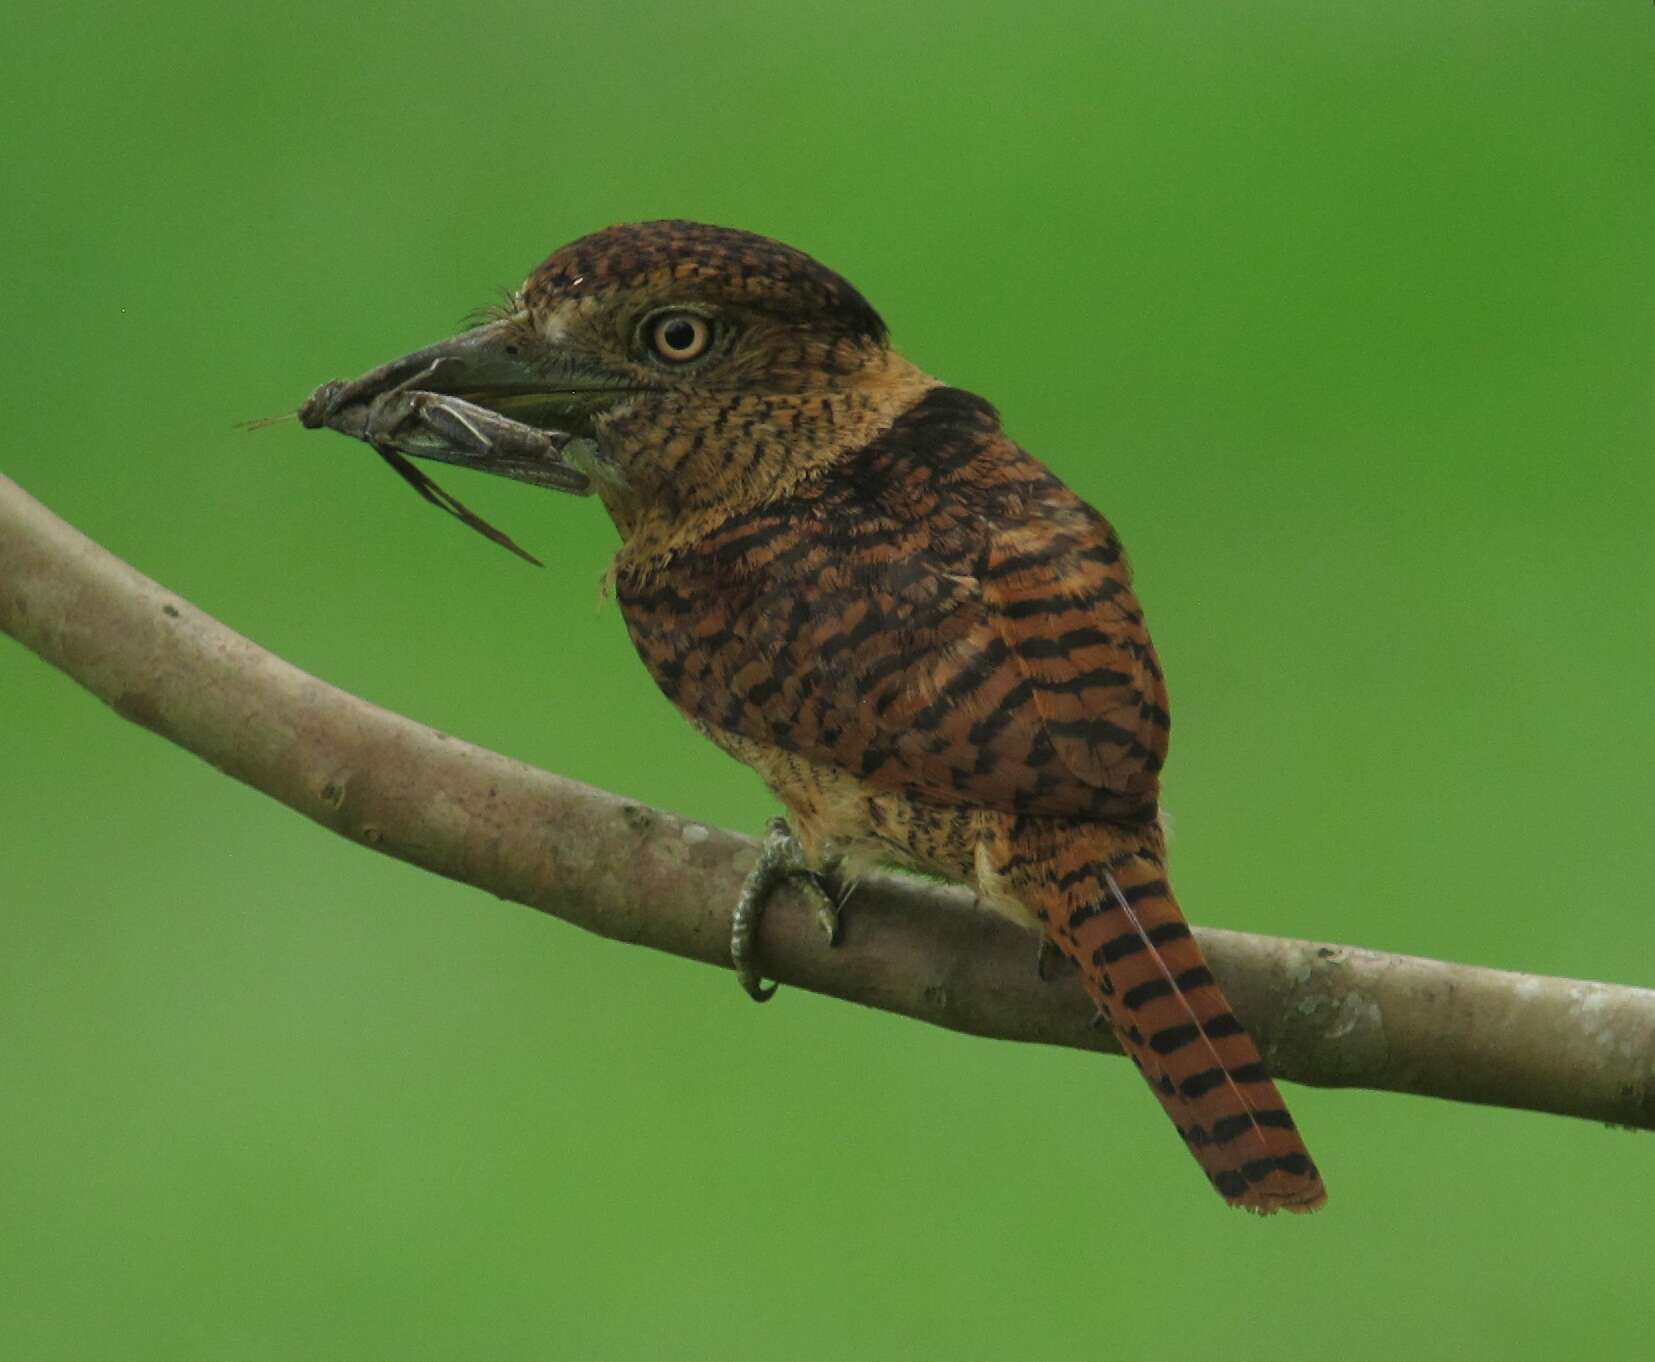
x=1334, y=1016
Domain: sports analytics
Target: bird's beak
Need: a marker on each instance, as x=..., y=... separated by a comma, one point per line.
x=497, y=398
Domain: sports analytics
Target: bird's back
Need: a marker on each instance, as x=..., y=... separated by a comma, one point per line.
x=933, y=614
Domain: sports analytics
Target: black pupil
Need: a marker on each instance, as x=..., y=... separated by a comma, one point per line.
x=678, y=334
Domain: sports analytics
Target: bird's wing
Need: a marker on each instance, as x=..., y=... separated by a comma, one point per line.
x=986, y=652
x=1037, y=691
x=1071, y=622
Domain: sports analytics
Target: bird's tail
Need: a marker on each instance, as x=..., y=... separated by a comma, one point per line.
x=1112, y=912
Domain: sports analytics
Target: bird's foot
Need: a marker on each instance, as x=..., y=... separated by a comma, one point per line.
x=780, y=858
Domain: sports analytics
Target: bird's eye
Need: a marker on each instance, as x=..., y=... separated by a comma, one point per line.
x=679, y=337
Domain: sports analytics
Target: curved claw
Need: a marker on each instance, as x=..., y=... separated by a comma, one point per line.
x=743, y=926
x=780, y=857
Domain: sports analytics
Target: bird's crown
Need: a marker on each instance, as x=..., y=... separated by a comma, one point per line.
x=718, y=264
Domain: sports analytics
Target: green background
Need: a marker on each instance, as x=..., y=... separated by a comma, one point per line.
x=1345, y=315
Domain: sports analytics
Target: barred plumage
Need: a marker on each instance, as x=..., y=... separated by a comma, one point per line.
x=849, y=577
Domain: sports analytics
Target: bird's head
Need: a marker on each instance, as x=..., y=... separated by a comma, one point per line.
x=709, y=369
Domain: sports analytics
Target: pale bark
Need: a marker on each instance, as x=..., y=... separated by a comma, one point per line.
x=1334, y=1016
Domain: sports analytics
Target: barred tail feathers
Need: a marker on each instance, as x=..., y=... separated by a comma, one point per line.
x=1116, y=917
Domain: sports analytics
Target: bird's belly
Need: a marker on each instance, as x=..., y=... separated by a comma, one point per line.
x=837, y=816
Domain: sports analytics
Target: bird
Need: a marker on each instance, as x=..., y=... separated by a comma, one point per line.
x=845, y=573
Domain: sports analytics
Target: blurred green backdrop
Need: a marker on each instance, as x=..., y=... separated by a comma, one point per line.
x=1343, y=313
